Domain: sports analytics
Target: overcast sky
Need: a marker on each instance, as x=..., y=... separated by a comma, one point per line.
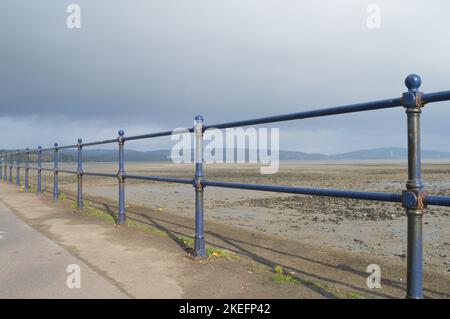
x=147, y=65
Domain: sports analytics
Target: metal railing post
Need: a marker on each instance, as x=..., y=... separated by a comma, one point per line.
x=199, y=244
x=55, y=172
x=5, y=177
x=18, y=168
x=39, y=170
x=27, y=168
x=1, y=169
x=80, y=174
x=121, y=177
x=413, y=196
x=4, y=167
x=10, y=168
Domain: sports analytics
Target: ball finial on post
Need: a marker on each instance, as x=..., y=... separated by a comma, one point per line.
x=55, y=145
x=80, y=140
x=413, y=82
x=121, y=133
x=412, y=98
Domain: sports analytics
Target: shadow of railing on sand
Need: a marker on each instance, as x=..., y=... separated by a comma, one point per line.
x=174, y=231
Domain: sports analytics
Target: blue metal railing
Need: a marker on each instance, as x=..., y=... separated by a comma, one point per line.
x=413, y=198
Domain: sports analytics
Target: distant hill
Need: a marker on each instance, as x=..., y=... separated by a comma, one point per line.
x=387, y=153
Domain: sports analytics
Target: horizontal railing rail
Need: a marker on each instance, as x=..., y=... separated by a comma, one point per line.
x=414, y=198
x=384, y=197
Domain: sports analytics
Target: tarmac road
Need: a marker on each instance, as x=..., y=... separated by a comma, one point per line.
x=33, y=266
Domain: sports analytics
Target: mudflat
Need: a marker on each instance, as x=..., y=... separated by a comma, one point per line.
x=352, y=225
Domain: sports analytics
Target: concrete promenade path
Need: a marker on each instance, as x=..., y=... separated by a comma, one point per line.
x=33, y=266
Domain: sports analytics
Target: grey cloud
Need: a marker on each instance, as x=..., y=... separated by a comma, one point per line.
x=156, y=64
